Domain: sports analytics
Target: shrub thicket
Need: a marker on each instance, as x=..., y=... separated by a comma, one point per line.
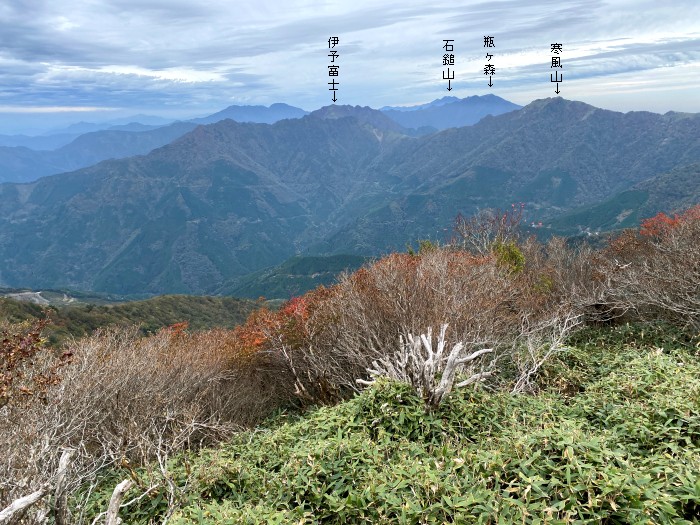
x=520, y=298
x=655, y=272
x=122, y=399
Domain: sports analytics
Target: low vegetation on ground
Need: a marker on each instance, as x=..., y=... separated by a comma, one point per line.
x=614, y=438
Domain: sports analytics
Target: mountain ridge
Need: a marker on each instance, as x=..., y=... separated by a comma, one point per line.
x=21, y=164
x=257, y=114
x=450, y=112
x=230, y=198
x=24, y=159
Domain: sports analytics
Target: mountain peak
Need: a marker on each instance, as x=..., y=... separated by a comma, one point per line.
x=450, y=112
x=562, y=103
x=259, y=114
x=341, y=110
x=363, y=114
x=556, y=105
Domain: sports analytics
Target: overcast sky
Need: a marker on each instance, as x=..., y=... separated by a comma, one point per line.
x=93, y=60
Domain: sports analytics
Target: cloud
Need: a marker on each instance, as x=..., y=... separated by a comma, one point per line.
x=53, y=109
x=143, y=55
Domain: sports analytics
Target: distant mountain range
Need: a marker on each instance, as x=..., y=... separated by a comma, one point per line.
x=56, y=138
x=554, y=155
x=437, y=102
x=450, y=112
x=55, y=141
x=39, y=142
x=24, y=159
x=20, y=164
x=229, y=199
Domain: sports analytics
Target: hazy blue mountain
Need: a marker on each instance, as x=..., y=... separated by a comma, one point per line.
x=92, y=148
x=40, y=142
x=57, y=138
x=135, y=126
x=259, y=114
x=437, y=102
x=450, y=112
x=148, y=120
x=228, y=199
x=78, y=128
x=20, y=164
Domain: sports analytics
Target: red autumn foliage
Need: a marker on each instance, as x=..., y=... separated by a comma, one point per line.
x=661, y=224
x=658, y=225
x=178, y=329
x=20, y=345
x=264, y=328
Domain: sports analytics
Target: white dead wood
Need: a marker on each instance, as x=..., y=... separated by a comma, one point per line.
x=539, y=342
x=431, y=371
x=11, y=514
x=16, y=510
x=112, y=517
x=60, y=493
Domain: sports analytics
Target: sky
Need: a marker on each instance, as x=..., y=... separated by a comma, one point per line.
x=96, y=60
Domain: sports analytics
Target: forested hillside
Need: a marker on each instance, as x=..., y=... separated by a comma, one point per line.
x=150, y=315
x=230, y=199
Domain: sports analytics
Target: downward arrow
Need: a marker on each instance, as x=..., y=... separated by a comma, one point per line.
x=334, y=99
x=490, y=83
x=449, y=87
x=557, y=90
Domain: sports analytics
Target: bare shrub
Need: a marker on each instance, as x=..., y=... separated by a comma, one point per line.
x=572, y=272
x=480, y=232
x=537, y=342
x=575, y=273
x=369, y=312
x=399, y=295
x=124, y=400
x=656, y=272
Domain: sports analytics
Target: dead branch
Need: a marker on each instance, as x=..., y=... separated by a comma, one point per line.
x=14, y=512
x=112, y=517
x=60, y=493
x=11, y=514
x=540, y=341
